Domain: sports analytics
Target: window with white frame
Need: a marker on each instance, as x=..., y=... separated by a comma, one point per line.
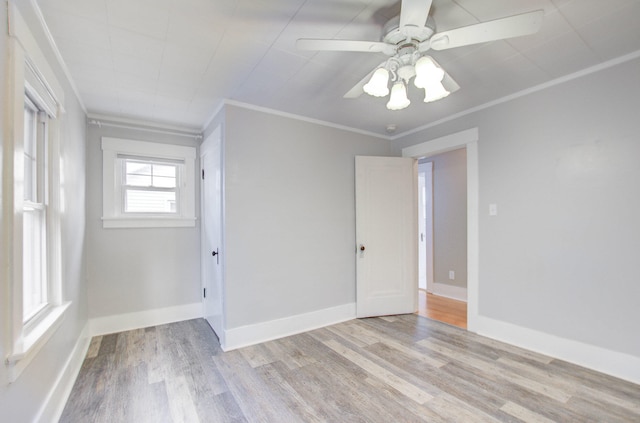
x=32, y=207
x=147, y=184
x=150, y=185
x=35, y=292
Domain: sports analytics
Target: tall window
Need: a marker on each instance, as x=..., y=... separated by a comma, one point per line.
x=34, y=219
x=31, y=255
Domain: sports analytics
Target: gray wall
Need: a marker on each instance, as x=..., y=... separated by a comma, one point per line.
x=561, y=256
x=290, y=215
x=21, y=400
x=137, y=269
x=450, y=217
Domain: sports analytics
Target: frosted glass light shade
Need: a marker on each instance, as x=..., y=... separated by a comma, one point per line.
x=378, y=85
x=427, y=72
x=434, y=91
x=398, y=99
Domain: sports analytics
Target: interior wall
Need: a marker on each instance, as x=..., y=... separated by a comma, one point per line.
x=450, y=217
x=137, y=269
x=22, y=400
x=290, y=215
x=561, y=165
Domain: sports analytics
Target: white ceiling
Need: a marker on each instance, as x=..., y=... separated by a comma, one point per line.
x=175, y=61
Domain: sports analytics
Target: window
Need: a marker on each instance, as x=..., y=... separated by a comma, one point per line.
x=150, y=186
x=147, y=184
x=31, y=205
x=35, y=293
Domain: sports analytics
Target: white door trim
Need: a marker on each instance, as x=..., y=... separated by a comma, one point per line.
x=468, y=139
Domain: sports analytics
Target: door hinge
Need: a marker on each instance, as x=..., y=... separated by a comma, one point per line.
x=204, y=292
x=202, y=173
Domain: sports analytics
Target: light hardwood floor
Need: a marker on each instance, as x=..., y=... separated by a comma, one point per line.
x=391, y=369
x=442, y=309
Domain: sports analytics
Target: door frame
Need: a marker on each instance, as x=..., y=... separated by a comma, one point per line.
x=465, y=139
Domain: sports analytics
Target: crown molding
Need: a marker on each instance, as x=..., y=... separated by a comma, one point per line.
x=303, y=118
x=557, y=81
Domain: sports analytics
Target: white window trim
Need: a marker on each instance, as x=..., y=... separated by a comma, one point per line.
x=112, y=216
x=31, y=73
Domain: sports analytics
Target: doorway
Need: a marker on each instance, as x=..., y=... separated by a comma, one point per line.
x=462, y=140
x=442, y=212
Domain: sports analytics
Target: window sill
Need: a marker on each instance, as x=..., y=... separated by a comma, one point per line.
x=34, y=340
x=148, y=222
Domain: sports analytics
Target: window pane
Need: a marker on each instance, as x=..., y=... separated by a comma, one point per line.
x=138, y=180
x=164, y=182
x=164, y=170
x=137, y=173
x=30, y=153
x=164, y=176
x=139, y=168
x=141, y=201
x=34, y=295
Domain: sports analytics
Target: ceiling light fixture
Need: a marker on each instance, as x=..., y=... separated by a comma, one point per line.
x=400, y=69
x=378, y=85
x=398, y=99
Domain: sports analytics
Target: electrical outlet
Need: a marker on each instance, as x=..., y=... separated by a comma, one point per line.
x=452, y=274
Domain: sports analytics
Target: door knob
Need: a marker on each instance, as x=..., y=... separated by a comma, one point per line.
x=361, y=247
x=214, y=253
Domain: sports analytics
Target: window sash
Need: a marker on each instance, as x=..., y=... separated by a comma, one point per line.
x=35, y=282
x=149, y=198
x=35, y=292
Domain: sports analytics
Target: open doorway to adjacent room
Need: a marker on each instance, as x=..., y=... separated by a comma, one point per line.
x=442, y=234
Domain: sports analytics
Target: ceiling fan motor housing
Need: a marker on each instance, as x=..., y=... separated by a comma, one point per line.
x=393, y=34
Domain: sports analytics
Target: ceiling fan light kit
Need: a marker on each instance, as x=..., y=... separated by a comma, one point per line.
x=398, y=99
x=378, y=85
x=427, y=72
x=427, y=75
x=406, y=39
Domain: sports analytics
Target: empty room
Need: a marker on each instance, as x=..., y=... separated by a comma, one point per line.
x=319, y=211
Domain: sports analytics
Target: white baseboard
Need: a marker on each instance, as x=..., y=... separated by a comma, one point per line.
x=143, y=319
x=57, y=398
x=450, y=291
x=266, y=331
x=620, y=365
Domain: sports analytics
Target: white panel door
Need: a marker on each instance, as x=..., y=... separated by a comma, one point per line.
x=211, y=235
x=386, y=229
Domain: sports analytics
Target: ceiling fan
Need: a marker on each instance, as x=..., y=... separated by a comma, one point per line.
x=407, y=38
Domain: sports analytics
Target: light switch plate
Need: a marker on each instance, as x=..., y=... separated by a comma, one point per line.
x=493, y=209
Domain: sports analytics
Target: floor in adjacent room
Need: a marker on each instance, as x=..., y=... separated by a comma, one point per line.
x=392, y=369
x=442, y=309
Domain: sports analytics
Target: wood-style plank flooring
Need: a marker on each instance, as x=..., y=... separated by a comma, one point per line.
x=391, y=369
x=442, y=309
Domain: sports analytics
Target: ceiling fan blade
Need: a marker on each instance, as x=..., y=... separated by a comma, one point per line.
x=447, y=82
x=414, y=12
x=514, y=26
x=345, y=45
x=357, y=89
